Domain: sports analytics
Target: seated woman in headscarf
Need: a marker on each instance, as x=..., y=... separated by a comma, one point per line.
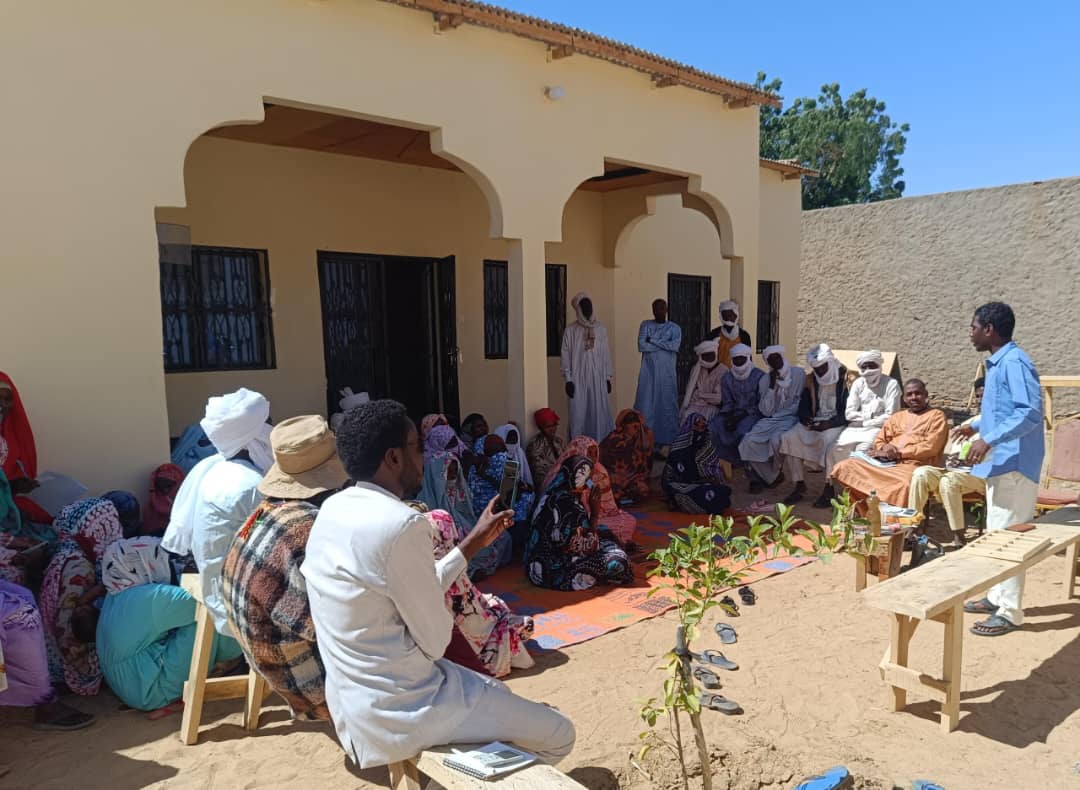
x=599, y=499
x=492, y=630
x=626, y=453
x=473, y=427
x=544, y=449
x=693, y=476
x=24, y=544
x=164, y=483
x=442, y=439
x=567, y=551
x=129, y=511
x=70, y=588
x=511, y=437
x=484, y=483
x=21, y=466
x=24, y=663
x=429, y=422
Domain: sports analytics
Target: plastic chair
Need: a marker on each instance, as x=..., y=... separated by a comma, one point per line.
x=1064, y=467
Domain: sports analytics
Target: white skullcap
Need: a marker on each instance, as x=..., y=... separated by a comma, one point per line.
x=236, y=422
x=351, y=400
x=819, y=355
x=870, y=356
x=705, y=346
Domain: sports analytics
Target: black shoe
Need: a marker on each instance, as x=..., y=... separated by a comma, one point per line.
x=826, y=497
x=796, y=494
x=757, y=485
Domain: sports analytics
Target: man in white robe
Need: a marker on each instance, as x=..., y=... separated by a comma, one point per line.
x=779, y=395
x=821, y=419
x=874, y=397
x=658, y=386
x=221, y=491
x=703, y=388
x=377, y=600
x=587, y=368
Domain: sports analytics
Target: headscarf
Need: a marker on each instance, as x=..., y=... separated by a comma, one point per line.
x=561, y=525
x=429, y=422
x=588, y=323
x=545, y=417
x=466, y=427
x=92, y=524
x=157, y=514
x=785, y=371
x=700, y=447
x=484, y=483
x=730, y=331
x=453, y=496
x=442, y=439
x=233, y=422
x=872, y=377
x=627, y=453
x=704, y=347
x=15, y=430
x=515, y=450
x=11, y=520
x=127, y=508
x=822, y=354
x=134, y=561
x=742, y=372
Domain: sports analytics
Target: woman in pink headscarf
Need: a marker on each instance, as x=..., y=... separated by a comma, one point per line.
x=600, y=503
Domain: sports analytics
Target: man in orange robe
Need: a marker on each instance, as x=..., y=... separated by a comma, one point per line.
x=909, y=439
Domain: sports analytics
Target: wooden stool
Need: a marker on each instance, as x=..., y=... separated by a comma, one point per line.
x=199, y=689
x=884, y=563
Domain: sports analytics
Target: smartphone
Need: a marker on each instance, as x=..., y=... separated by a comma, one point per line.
x=508, y=487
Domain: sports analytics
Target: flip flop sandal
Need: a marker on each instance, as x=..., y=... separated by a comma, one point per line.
x=993, y=626
x=748, y=596
x=836, y=778
x=722, y=704
x=731, y=609
x=981, y=606
x=726, y=633
x=716, y=659
x=706, y=677
x=67, y=722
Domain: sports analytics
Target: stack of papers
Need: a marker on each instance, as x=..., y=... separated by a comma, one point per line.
x=872, y=461
x=487, y=762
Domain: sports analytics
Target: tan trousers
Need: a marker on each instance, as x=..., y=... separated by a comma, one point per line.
x=949, y=486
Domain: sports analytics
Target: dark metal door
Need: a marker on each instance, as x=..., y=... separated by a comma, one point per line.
x=446, y=335
x=689, y=300
x=352, y=295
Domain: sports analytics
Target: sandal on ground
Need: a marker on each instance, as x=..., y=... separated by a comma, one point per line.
x=726, y=633
x=66, y=721
x=748, y=596
x=715, y=658
x=836, y=778
x=706, y=677
x=722, y=704
x=993, y=626
x=981, y=606
x=727, y=603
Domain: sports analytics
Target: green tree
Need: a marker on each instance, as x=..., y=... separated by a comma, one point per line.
x=851, y=142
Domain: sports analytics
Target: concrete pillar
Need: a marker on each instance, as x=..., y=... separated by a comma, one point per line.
x=527, y=378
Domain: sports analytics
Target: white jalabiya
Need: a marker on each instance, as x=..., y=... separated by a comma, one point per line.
x=868, y=406
x=703, y=391
x=586, y=363
x=377, y=601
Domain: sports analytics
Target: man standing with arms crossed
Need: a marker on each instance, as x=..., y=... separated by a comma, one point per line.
x=1008, y=452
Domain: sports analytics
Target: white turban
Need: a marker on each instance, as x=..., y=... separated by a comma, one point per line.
x=730, y=331
x=350, y=400
x=822, y=354
x=233, y=422
x=769, y=351
x=871, y=377
x=588, y=323
x=741, y=372
x=707, y=347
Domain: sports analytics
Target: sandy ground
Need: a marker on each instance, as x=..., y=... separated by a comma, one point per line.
x=808, y=682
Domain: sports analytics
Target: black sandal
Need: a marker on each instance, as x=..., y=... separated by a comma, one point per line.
x=727, y=603
x=981, y=606
x=748, y=596
x=707, y=677
x=993, y=626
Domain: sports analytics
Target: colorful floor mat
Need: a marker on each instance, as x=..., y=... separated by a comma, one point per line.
x=567, y=618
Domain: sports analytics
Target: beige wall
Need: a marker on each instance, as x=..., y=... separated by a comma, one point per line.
x=781, y=208
x=102, y=101
x=906, y=275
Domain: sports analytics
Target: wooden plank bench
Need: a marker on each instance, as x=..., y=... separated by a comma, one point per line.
x=406, y=775
x=938, y=590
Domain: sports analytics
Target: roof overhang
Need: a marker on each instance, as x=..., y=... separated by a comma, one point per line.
x=790, y=168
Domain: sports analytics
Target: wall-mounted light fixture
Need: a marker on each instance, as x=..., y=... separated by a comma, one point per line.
x=554, y=92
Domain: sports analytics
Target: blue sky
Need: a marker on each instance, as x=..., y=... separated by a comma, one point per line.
x=991, y=89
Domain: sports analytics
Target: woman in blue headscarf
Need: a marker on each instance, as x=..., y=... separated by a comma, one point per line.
x=22, y=542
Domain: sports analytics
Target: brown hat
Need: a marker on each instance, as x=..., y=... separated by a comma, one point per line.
x=305, y=460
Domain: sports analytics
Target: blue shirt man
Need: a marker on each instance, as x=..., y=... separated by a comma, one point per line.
x=1008, y=452
x=658, y=389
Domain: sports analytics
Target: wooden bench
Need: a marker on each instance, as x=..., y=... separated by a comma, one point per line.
x=938, y=590
x=406, y=775
x=199, y=689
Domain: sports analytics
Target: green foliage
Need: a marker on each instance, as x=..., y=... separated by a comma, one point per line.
x=700, y=562
x=852, y=143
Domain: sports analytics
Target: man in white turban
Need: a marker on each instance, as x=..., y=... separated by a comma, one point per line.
x=221, y=491
x=739, y=403
x=779, y=394
x=874, y=397
x=729, y=333
x=587, y=368
x=821, y=419
x=703, y=388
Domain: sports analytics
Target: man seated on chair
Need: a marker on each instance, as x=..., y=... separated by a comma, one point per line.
x=909, y=439
x=265, y=595
x=377, y=600
x=951, y=482
x=221, y=491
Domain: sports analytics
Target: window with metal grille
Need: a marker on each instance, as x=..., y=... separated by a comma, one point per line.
x=768, y=314
x=215, y=311
x=496, y=310
x=555, y=299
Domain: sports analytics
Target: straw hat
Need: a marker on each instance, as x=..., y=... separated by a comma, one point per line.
x=305, y=460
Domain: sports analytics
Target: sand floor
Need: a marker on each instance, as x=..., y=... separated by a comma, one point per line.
x=808, y=682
